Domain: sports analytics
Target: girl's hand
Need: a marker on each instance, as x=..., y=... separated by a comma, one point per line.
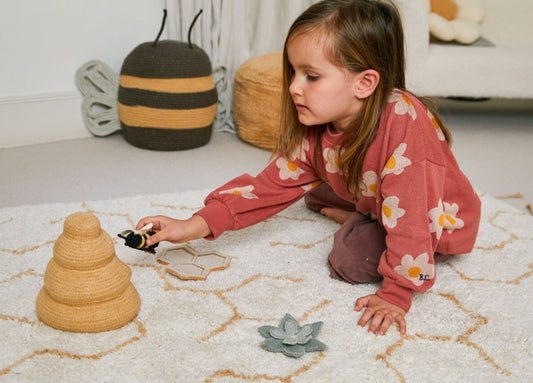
x=383, y=314
x=175, y=230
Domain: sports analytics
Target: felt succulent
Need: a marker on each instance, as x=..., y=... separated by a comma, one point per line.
x=292, y=339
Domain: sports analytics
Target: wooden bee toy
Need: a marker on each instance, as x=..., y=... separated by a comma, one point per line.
x=136, y=239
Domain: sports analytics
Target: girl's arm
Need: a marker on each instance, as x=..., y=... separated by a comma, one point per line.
x=247, y=200
x=408, y=264
x=414, y=176
x=243, y=201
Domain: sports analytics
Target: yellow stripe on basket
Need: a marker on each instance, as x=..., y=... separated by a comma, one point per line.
x=169, y=85
x=144, y=117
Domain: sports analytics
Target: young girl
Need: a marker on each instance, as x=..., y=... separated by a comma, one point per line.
x=364, y=152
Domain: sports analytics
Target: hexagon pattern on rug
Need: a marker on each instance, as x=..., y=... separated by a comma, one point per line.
x=185, y=263
x=277, y=271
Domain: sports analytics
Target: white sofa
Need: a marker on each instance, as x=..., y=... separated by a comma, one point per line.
x=504, y=70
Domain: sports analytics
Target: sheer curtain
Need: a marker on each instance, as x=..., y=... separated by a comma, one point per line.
x=230, y=32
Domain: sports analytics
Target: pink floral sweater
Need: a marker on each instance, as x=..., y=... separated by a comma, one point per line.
x=411, y=184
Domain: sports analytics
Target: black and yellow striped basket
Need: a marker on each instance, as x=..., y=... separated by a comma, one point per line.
x=167, y=98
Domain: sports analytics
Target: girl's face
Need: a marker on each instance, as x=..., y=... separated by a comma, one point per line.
x=321, y=91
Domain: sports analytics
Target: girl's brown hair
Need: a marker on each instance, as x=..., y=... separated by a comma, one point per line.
x=356, y=35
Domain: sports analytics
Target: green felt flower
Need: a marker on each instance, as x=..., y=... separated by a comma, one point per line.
x=292, y=339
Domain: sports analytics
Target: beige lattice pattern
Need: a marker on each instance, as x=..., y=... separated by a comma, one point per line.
x=206, y=330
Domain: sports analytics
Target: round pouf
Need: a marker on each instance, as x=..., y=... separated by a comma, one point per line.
x=257, y=100
x=167, y=98
x=86, y=287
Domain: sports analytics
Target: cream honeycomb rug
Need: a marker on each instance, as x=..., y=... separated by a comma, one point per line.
x=475, y=325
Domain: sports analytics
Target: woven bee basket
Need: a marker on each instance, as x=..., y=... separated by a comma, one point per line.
x=86, y=287
x=167, y=98
x=257, y=100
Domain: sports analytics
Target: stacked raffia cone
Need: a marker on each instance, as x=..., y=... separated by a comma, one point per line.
x=86, y=287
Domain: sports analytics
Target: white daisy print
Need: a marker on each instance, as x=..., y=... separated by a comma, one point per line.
x=332, y=160
x=416, y=270
x=444, y=217
x=397, y=162
x=390, y=212
x=369, y=184
x=245, y=192
x=288, y=169
x=300, y=152
x=311, y=186
x=403, y=104
x=440, y=134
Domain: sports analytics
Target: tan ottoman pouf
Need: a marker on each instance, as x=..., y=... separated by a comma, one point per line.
x=257, y=100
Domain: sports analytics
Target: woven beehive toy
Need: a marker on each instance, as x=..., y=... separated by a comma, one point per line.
x=167, y=98
x=86, y=287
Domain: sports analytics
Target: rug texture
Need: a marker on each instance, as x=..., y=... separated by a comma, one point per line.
x=474, y=325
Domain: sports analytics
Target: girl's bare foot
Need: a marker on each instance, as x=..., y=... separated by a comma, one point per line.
x=338, y=215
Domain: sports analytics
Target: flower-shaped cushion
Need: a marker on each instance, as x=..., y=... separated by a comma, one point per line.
x=290, y=338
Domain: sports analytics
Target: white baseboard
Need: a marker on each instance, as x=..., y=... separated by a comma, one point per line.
x=34, y=119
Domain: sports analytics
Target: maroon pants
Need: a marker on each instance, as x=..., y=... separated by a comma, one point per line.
x=357, y=245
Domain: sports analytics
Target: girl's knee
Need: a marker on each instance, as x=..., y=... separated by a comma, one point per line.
x=353, y=271
x=357, y=249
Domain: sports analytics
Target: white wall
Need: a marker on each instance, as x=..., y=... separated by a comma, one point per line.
x=44, y=42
